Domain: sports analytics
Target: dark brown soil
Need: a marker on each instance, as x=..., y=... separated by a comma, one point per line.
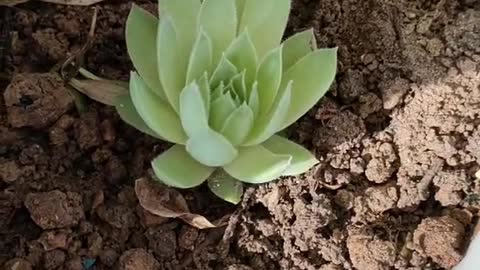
x=398, y=137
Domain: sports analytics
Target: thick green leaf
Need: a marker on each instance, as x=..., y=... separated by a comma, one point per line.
x=254, y=100
x=312, y=76
x=220, y=109
x=226, y=187
x=242, y=54
x=157, y=114
x=297, y=46
x=270, y=123
x=141, y=32
x=211, y=149
x=217, y=92
x=224, y=71
x=218, y=18
x=129, y=115
x=176, y=168
x=172, y=72
x=200, y=59
x=240, y=7
x=193, y=111
x=256, y=165
x=239, y=86
x=205, y=90
x=238, y=124
x=184, y=18
x=266, y=21
x=269, y=77
x=302, y=159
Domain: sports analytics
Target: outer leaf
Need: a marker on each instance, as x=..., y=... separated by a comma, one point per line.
x=157, y=114
x=224, y=71
x=172, y=74
x=219, y=19
x=312, y=77
x=141, y=30
x=243, y=55
x=302, y=159
x=220, y=109
x=254, y=100
x=193, y=111
x=269, y=77
x=226, y=187
x=200, y=59
x=211, y=149
x=255, y=164
x=266, y=20
x=238, y=124
x=184, y=18
x=129, y=114
x=298, y=46
x=270, y=123
x=176, y=168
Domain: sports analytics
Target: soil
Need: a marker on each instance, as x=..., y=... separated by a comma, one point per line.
x=398, y=137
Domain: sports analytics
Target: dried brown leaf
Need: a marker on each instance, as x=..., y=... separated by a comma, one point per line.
x=103, y=91
x=166, y=202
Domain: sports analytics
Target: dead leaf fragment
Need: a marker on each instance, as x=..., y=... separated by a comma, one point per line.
x=166, y=202
x=103, y=91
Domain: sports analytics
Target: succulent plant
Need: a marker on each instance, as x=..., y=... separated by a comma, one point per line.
x=213, y=78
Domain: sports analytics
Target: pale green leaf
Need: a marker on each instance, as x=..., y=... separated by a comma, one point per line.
x=269, y=77
x=270, y=123
x=184, y=18
x=266, y=21
x=193, y=112
x=256, y=165
x=242, y=54
x=205, y=90
x=254, y=100
x=172, y=73
x=238, y=124
x=217, y=92
x=129, y=115
x=141, y=32
x=312, y=76
x=239, y=86
x=200, y=59
x=176, y=168
x=225, y=187
x=298, y=46
x=224, y=71
x=211, y=149
x=302, y=159
x=157, y=114
x=220, y=109
x=240, y=4
x=219, y=19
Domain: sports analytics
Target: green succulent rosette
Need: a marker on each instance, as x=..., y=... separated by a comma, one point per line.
x=214, y=78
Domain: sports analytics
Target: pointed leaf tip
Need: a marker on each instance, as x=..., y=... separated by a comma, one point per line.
x=312, y=76
x=256, y=165
x=226, y=187
x=177, y=168
x=211, y=149
x=157, y=114
x=302, y=159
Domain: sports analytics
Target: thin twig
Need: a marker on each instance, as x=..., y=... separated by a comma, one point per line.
x=78, y=58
